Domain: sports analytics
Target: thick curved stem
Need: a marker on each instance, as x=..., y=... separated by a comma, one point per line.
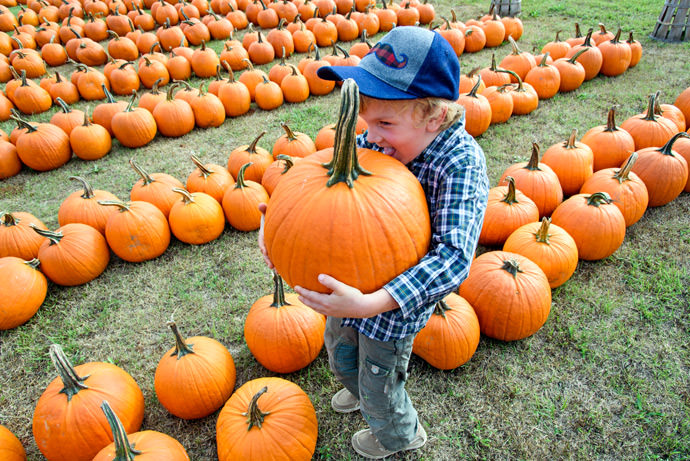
x=72, y=382
x=186, y=196
x=143, y=173
x=181, y=347
x=88, y=190
x=278, y=291
x=255, y=417
x=542, y=234
x=124, y=451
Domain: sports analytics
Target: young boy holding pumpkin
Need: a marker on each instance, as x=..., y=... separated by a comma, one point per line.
x=408, y=85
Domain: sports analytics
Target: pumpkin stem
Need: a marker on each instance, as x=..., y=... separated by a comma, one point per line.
x=533, y=164
x=204, y=171
x=63, y=105
x=121, y=205
x=88, y=190
x=252, y=147
x=240, y=184
x=289, y=163
x=124, y=451
x=512, y=267
x=186, y=196
x=344, y=167
x=73, y=383
x=54, y=237
x=181, y=347
x=611, y=121
x=143, y=173
x=622, y=174
x=574, y=57
x=130, y=105
x=34, y=263
x=7, y=219
x=667, y=148
x=441, y=308
x=542, y=63
x=510, y=195
x=288, y=132
x=475, y=88
x=278, y=291
x=570, y=143
x=542, y=234
x=255, y=417
x=598, y=198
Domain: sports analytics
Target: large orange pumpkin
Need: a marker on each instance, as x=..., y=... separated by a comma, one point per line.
x=267, y=418
x=23, y=289
x=68, y=424
x=572, y=161
x=610, y=144
x=11, y=449
x=361, y=217
x=283, y=334
x=509, y=293
x=451, y=336
x=594, y=222
x=144, y=445
x=194, y=378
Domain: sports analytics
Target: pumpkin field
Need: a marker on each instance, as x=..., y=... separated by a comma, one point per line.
x=607, y=376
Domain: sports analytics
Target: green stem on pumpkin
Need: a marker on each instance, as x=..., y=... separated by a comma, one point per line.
x=239, y=184
x=121, y=205
x=512, y=267
x=599, y=198
x=667, y=148
x=88, y=190
x=441, y=308
x=255, y=417
x=510, y=195
x=72, y=382
x=475, y=88
x=278, y=291
x=143, y=173
x=34, y=263
x=53, y=236
x=533, y=163
x=289, y=163
x=622, y=174
x=288, y=132
x=344, y=167
x=7, y=219
x=542, y=234
x=63, y=105
x=186, y=196
x=181, y=347
x=202, y=169
x=124, y=451
x=574, y=57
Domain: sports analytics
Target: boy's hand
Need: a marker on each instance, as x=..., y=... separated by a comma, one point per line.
x=262, y=244
x=346, y=301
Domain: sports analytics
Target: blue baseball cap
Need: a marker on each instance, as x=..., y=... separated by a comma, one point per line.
x=409, y=62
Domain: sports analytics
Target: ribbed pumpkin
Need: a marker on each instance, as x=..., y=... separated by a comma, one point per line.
x=267, y=418
x=544, y=78
x=594, y=222
x=556, y=48
x=10, y=165
x=501, y=102
x=477, y=110
x=506, y=210
x=197, y=218
x=134, y=126
x=17, y=238
x=648, y=129
x=24, y=289
x=518, y=61
x=572, y=161
x=275, y=171
x=82, y=206
x=144, y=445
x=283, y=334
x=663, y=171
x=73, y=254
x=210, y=178
x=195, y=377
x=104, y=112
x=11, y=449
x=451, y=336
x=316, y=203
x=240, y=202
x=591, y=60
x=616, y=56
x=293, y=143
x=571, y=71
x=174, y=117
x=625, y=188
x=67, y=422
x=610, y=144
x=90, y=141
x=537, y=181
x=43, y=146
x=259, y=157
x=155, y=188
x=139, y=222
x=547, y=245
x=509, y=293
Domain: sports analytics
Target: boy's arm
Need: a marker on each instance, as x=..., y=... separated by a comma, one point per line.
x=457, y=222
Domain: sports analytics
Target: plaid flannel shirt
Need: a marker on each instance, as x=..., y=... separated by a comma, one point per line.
x=452, y=172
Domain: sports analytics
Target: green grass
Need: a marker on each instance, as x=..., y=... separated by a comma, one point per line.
x=607, y=377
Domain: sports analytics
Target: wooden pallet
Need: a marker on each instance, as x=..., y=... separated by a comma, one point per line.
x=672, y=25
x=510, y=8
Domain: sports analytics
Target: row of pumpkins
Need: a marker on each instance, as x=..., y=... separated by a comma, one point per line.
x=492, y=94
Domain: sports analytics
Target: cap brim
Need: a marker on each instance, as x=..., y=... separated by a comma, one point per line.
x=367, y=83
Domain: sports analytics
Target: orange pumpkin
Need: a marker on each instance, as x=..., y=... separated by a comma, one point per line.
x=24, y=289
x=209, y=178
x=451, y=335
x=477, y=110
x=283, y=334
x=266, y=417
x=259, y=157
x=11, y=449
x=572, y=161
x=67, y=422
x=197, y=218
x=82, y=206
x=314, y=202
x=293, y=143
x=195, y=377
x=594, y=222
x=509, y=293
x=610, y=144
x=17, y=238
x=241, y=202
x=547, y=245
x=506, y=210
x=155, y=188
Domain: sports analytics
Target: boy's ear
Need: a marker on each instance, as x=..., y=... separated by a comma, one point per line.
x=434, y=124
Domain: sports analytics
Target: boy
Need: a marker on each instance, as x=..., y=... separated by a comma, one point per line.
x=408, y=85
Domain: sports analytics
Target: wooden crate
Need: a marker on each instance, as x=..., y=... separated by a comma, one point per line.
x=672, y=25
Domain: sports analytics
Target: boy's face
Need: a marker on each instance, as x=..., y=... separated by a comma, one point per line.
x=393, y=126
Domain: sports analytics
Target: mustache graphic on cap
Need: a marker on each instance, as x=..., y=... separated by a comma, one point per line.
x=384, y=52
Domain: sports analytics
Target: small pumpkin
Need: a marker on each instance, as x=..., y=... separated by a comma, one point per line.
x=506, y=210
x=134, y=127
x=266, y=418
x=24, y=289
x=197, y=218
x=210, y=178
x=90, y=141
x=11, y=449
x=241, y=202
x=293, y=143
x=451, y=335
x=259, y=157
x=282, y=333
x=610, y=144
x=572, y=161
x=82, y=206
x=155, y=188
x=195, y=377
